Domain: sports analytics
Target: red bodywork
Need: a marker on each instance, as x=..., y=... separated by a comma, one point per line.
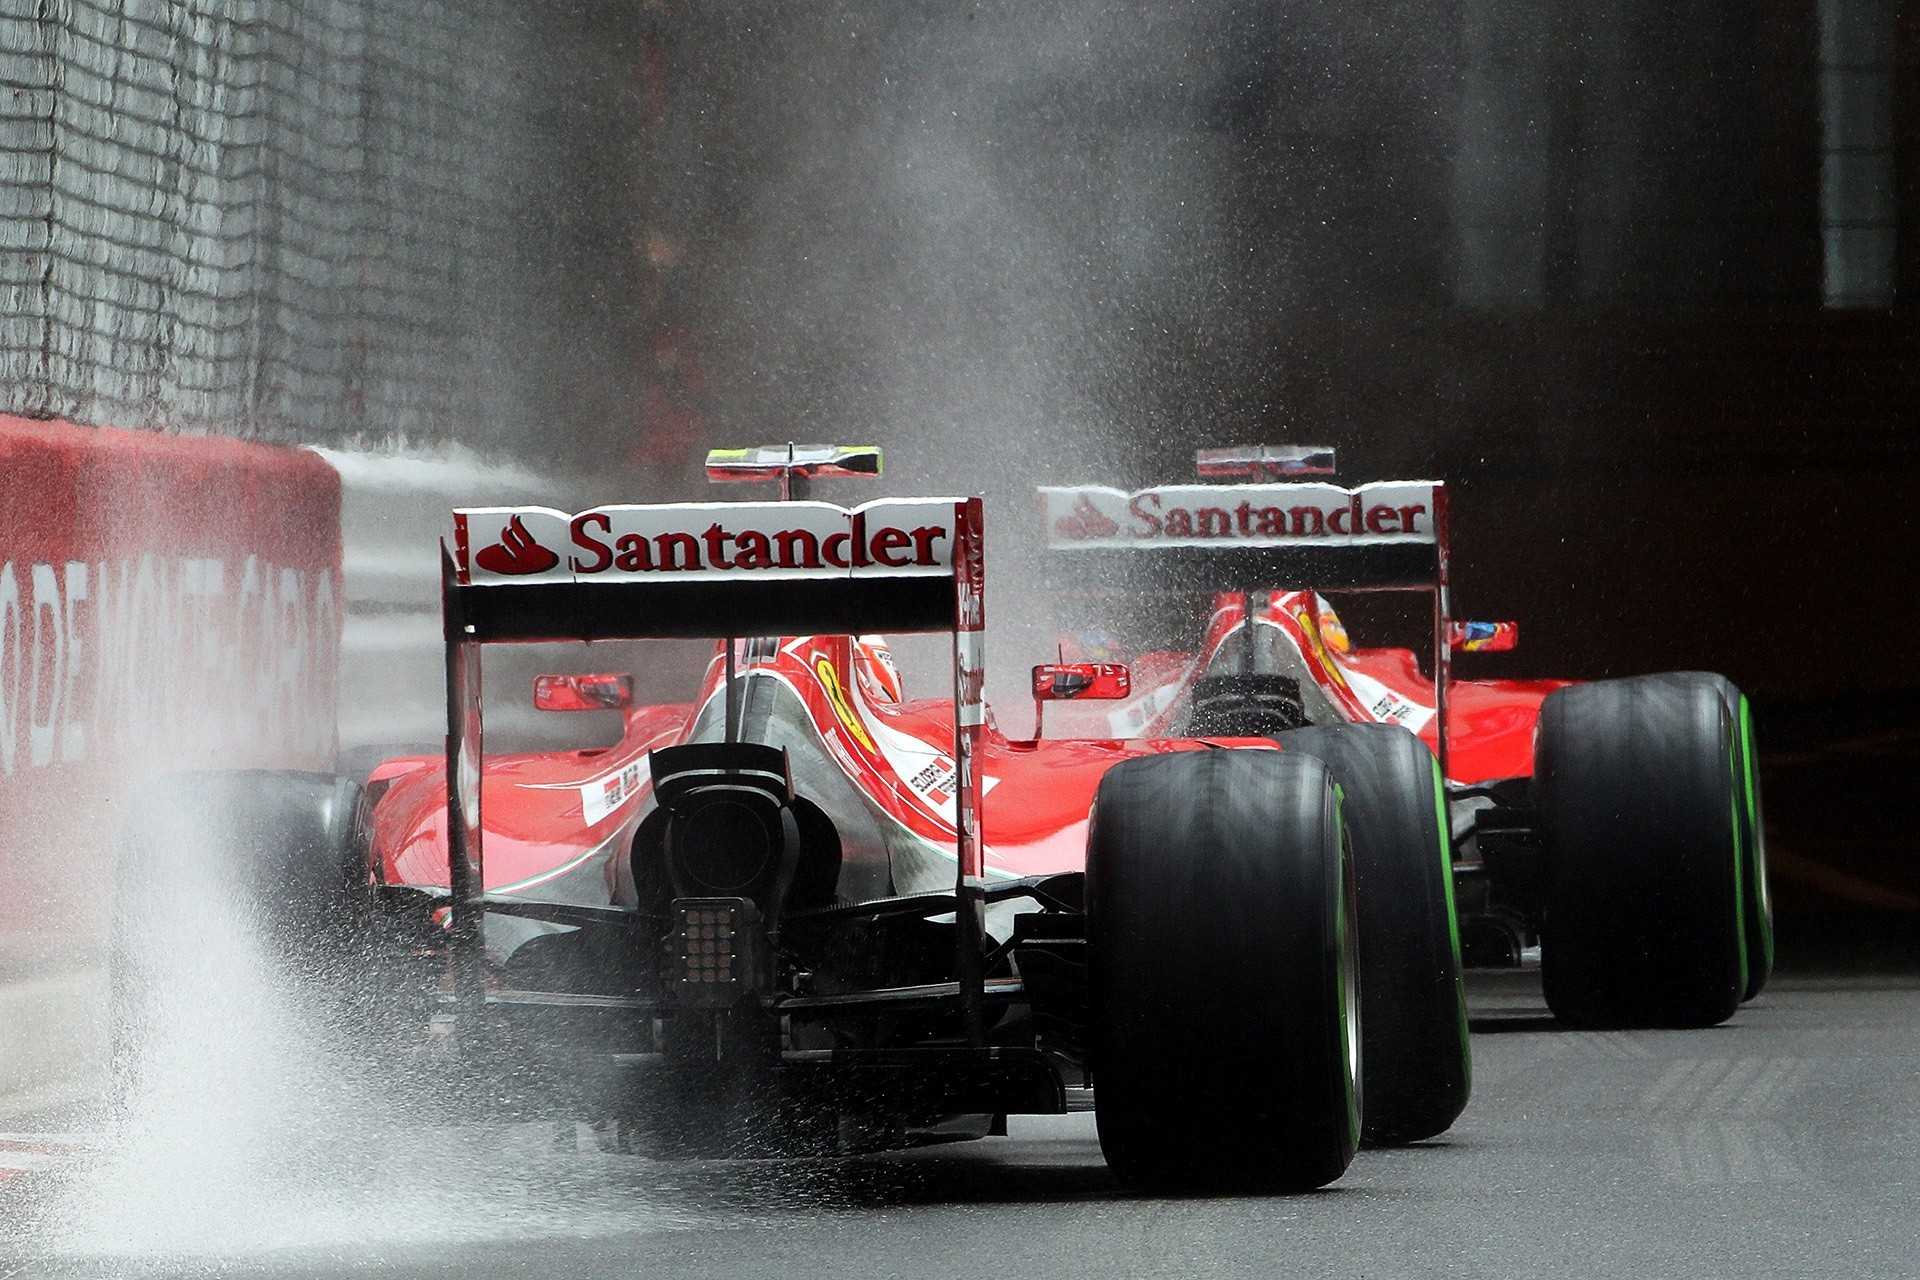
x=1491, y=721
x=552, y=818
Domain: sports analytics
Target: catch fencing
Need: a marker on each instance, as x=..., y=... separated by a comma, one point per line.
x=284, y=219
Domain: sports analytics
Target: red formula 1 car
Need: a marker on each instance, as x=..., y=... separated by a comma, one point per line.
x=796, y=912
x=1615, y=825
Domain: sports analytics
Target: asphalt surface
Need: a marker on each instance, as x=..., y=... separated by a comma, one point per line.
x=1786, y=1143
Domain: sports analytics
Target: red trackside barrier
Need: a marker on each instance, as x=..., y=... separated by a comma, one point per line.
x=166, y=603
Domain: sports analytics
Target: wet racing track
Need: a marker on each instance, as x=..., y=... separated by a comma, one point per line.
x=1784, y=1144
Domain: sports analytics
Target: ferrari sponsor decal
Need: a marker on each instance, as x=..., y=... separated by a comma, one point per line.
x=1386, y=705
x=842, y=705
x=970, y=700
x=891, y=537
x=1257, y=515
x=938, y=782
x=603, y=795
x=969, y=693
x=931, y=775
x=1132, y=720
x=935, y=782
x=970, y=623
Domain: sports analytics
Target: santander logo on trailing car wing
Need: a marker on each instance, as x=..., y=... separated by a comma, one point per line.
x=1082, y=522
x=1211, y=515
x=891, y=537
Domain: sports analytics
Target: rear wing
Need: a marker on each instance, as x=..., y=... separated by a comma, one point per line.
x=1386, y=536
x=710, y=569
x=700, y=569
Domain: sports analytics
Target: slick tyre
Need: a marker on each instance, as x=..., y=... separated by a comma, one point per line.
x=249, y=870
x=1223, y=973
x=1635, y=782
x=1756, y=895
x=1413, y=1007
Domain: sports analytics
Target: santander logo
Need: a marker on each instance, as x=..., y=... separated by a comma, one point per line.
x=516, y=553
x=1085, y=521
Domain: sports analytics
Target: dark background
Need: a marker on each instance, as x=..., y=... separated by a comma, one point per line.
x=1636, y=278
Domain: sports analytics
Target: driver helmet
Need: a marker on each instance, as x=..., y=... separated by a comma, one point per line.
x=1332, y=630
x=1093, y=646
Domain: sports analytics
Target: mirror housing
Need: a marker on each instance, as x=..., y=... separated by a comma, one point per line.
x=599, y=692
x=1064, y=681
x=1483, y=637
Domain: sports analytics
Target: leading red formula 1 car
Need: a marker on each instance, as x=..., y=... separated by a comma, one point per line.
x=798, y=912
x=1616, y=824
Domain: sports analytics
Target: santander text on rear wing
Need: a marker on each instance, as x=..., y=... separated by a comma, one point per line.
x=1389, y=535
x=725, y=570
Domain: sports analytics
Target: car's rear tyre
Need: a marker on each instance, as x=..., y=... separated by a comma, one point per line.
x=1413, y=1004
x=1223, y=973
x=1639, y=814
x=1756, y=893
x=275, y=858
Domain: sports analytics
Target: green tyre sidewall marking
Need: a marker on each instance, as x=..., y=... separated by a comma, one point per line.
x=1756, y=841
x=1734, y=780
x=1739, y=856
x=1453, y=920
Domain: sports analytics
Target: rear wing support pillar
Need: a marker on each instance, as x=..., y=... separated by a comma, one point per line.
x=466, y=879
x=969, y=728
x=1442, y=627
